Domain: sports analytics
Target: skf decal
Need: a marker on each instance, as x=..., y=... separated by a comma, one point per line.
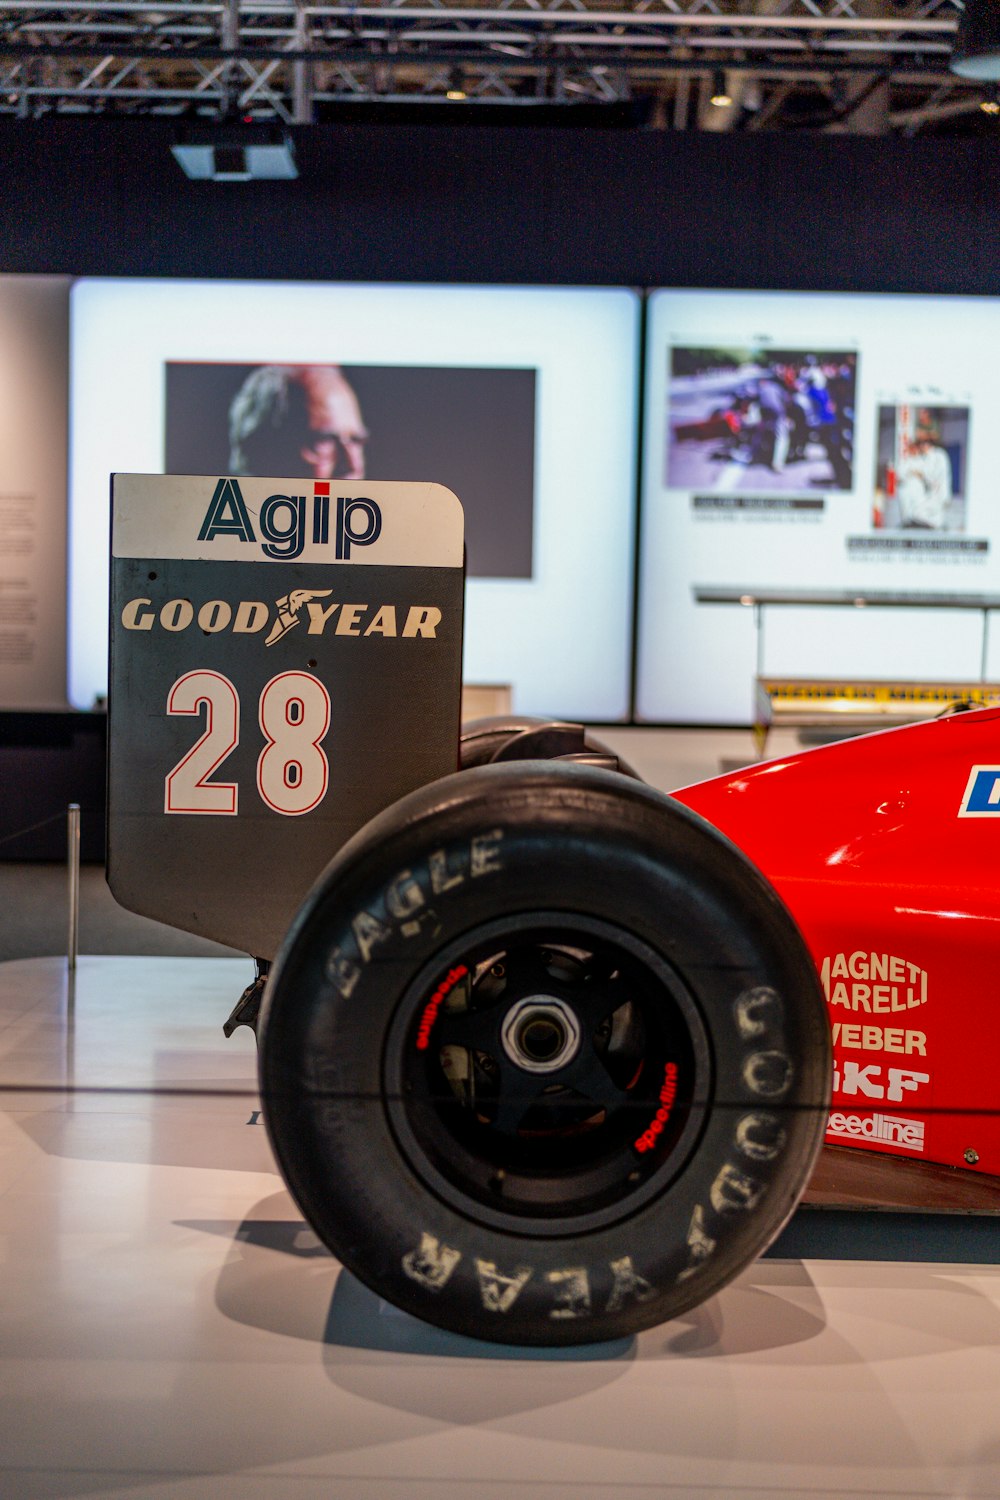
x=851, y=1078
x=982, y=793
x=875, y=982
x=282, y=521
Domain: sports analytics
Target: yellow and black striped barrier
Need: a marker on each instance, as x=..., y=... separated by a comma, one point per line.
x=812, y=702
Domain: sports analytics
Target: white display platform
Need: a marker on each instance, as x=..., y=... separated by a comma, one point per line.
x=168, y=1326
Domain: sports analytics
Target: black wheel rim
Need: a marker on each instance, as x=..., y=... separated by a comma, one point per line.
x=547, y=1074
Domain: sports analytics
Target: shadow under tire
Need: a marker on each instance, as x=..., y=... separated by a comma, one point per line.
x=544, y=1058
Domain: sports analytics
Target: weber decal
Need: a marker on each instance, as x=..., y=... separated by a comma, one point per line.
x=879, y=1039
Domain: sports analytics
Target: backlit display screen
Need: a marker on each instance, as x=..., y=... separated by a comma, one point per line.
x=813, y=443
x=521, y=400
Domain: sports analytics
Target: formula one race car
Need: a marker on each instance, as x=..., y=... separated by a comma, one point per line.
x=545, y=1055
x=546, y=1058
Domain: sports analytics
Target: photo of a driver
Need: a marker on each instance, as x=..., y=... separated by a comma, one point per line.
x=288, y=418
x=921, y=467
x=925, y=484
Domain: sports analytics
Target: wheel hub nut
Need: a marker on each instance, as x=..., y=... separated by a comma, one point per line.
x=540, y=1034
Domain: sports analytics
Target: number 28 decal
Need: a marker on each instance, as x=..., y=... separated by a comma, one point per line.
x=293, y=773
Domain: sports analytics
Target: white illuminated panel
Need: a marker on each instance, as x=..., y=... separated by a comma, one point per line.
x=724, y=506
x=561, y=637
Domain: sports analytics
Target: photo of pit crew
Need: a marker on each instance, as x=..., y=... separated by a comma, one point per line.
x=472, y=430
x=760, y=419
x=920, y=468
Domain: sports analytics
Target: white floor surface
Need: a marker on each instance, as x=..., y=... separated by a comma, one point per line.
x=169, y=1327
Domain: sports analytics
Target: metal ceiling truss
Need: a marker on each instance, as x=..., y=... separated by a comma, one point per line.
x=869, y=65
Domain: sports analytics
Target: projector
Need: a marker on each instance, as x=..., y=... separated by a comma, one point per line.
x=235, y=153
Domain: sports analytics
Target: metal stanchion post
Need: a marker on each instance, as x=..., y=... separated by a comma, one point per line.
x=73, y=873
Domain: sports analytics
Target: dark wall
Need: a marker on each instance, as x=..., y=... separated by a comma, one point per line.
x=521, y=204
x=47, y=761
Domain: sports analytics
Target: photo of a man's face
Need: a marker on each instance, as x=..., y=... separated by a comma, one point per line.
x=472, y=430
x=297, y=415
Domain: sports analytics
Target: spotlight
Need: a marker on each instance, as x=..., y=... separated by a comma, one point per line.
x=976, y=53
x=990, y=103
x=720, y=95
x=235, y=153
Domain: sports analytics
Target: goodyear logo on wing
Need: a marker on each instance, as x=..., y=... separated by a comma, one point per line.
x=283, y=519
x=982, y=793
x=250, y=616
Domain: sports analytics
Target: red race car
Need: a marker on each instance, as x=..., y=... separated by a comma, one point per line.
x=547, y=1057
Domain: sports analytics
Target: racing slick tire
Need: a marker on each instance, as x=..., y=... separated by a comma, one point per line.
x=480, y=739
x=544, y=1059
x=504, y=737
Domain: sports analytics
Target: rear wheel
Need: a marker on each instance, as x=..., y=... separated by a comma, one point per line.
x=506, y=737
x=544, y=1058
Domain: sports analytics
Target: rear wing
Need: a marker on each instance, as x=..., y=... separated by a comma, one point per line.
x=285, y=662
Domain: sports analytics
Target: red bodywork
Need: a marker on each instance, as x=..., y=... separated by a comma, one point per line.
x=885, y=848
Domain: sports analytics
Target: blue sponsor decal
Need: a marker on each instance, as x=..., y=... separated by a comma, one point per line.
x=347, y=536
x=282, y=521
x=982, y=793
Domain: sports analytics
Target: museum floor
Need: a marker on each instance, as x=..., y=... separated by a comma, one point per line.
x=169, y=1327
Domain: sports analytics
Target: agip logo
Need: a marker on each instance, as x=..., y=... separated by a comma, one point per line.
x=285, y=520
x=982, y=793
